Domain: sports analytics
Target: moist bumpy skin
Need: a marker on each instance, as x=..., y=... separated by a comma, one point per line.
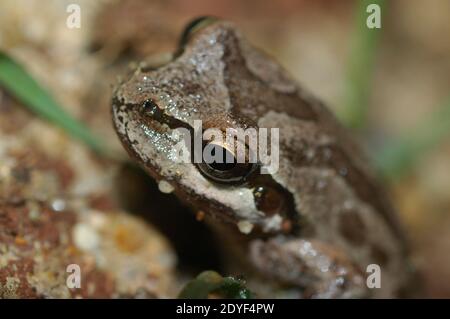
x=320, y=219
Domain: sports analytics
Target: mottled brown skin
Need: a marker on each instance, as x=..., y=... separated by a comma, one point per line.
x=321, y=220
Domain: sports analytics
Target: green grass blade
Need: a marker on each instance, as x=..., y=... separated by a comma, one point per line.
x=399, y=156
x=15, y=79
x=360, y=67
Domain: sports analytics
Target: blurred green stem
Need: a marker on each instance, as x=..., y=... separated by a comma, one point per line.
x=360, y=66
x=401, y=154
x=15, y=79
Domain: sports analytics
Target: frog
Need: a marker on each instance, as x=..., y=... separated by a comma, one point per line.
x=313, y=225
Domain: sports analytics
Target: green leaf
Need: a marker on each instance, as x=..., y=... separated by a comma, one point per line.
x=400, y=155
x=360, y=67
x=15, y=79
x=211, y=283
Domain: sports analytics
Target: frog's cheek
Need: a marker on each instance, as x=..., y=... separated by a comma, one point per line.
x=140, y=141
x=120, y=118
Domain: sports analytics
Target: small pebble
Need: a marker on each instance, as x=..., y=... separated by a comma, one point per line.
x=200, y=215
x=245, y=226
x=165, y=187
x=58, y=205
x=85, y=237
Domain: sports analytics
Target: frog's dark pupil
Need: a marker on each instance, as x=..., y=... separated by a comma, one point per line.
x=222, y=166
x=226, y=162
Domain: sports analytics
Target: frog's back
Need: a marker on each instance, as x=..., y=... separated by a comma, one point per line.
x=335, y=190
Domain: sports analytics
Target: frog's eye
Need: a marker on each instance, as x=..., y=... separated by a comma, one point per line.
x=194, y=26
x=221, y=164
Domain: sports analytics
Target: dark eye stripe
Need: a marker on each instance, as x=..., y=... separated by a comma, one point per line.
x=150, y=110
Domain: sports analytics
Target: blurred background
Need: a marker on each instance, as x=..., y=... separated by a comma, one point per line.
x=391, y=86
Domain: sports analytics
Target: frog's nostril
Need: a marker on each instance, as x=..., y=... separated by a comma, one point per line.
x=149, y=105
x=150, y=108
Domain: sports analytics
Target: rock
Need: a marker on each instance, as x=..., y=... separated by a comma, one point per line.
x=58, y=215
x=118, y=256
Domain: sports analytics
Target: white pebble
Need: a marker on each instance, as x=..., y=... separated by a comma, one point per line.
x=58, y=205
x=85, y=237
x=165, y=187
x=245, y=226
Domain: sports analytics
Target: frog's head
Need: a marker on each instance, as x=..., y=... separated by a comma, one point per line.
x=156, y=113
